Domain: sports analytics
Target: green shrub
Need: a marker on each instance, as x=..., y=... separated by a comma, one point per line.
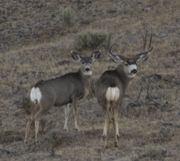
x=89, y=40
x=108, y=42
x=68, y=15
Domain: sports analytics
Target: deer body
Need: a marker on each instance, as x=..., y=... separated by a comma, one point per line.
x=59, y=91
x=111, y=87
x=64, y=90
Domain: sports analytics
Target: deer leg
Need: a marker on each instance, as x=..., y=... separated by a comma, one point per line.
x=37, y=122
x=28, y=128
x=76, y=115
x=29, y=123
x=66, y=112
x=105, y=129
x=116, y=126
x=106, y=125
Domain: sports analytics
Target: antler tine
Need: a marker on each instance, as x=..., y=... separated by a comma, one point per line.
x=145, y=40
x=147, y=46
x=110, y=49
x=150, y=41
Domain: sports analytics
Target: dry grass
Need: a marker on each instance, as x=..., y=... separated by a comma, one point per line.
x=37, y=47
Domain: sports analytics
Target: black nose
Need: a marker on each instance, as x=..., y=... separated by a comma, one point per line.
x=134, y=71
x=87, y=69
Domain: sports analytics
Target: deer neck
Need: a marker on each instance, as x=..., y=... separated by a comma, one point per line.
x=123, y=76
x=87, y=82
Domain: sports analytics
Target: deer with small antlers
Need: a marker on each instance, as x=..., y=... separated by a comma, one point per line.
x=111, y=86
x=64, y=90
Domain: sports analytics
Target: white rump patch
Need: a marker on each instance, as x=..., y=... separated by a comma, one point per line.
x=35, y=95
x=112, y=94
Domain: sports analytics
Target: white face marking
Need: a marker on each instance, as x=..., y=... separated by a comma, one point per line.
x=35, y=95
x=86, y=69
x=132, y=67
x=129, y=69
x=112, y=94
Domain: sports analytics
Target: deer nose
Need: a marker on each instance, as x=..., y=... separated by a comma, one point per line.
x=87, y=69
x=134, y=71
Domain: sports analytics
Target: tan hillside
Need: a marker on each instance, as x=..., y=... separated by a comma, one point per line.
x=36, y=37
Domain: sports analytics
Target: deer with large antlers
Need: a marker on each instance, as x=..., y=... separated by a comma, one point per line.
x=111, y=86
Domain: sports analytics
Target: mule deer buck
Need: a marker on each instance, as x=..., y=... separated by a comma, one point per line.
x=111, y=86
x=64, y=90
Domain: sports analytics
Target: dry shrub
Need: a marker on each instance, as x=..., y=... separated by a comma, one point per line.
x=68, y=15
x=90, y=40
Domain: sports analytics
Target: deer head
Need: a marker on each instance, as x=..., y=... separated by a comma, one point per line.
x=129, y=65
x=86, y=62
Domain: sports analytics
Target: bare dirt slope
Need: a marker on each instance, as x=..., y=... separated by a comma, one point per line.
x=35, y=42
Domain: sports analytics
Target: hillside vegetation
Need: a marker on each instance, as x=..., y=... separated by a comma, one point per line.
x=36, y=37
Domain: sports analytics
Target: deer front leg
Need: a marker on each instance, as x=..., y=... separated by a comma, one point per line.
x=76, y=114
x=66, y=112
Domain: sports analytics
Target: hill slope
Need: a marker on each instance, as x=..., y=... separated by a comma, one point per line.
x=35, y=44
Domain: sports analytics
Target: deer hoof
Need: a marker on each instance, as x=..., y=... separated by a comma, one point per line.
x=25, y=141
x=104, y=137
x=66, y=129
x=116, y=144
x=77, y=129
x=105, y=145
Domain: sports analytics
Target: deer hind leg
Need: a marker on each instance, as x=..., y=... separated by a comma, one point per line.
x=28, y=128
x=106, y=125
x=115, y=124
x=29, y=123
x=105, y=129
x=37, y=122
x=66, y=112
x=76, y=114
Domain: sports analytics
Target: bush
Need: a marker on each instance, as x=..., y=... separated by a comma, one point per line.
x=108, y=42
x=68, y=15
x=89, y=40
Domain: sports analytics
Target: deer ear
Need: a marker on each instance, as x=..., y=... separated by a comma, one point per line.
x=96, y=55
x=75, y=56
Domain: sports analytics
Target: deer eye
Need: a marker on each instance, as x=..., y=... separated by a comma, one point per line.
x=125, y=63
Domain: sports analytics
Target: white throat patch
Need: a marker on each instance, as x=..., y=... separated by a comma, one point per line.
x=88, y=73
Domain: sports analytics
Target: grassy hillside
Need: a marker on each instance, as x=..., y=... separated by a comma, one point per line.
x=36, y=37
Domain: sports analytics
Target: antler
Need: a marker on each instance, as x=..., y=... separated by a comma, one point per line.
x=147, y=48
x=112, y=55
